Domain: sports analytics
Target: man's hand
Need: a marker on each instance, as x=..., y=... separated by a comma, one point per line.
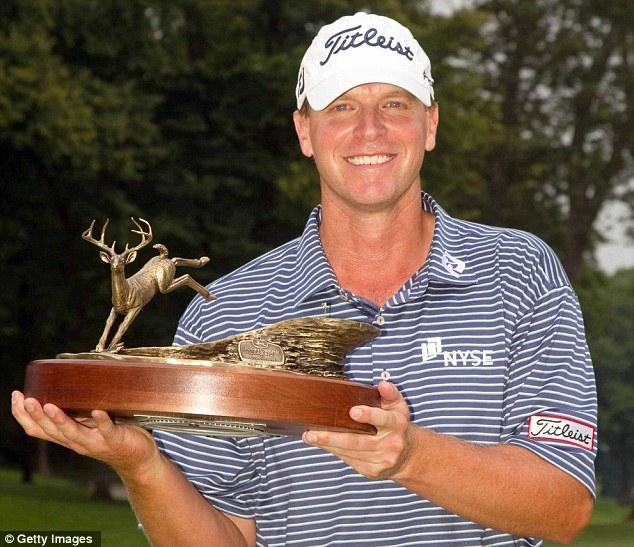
x=126, y=448
x=378, y=456
x=172, y=511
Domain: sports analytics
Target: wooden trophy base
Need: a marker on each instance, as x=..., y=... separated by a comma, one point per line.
x=215, y=400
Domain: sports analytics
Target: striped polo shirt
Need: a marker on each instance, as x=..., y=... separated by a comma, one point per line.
x=486, y=342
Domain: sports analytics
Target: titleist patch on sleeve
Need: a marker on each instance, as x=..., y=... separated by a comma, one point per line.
x=563, y=430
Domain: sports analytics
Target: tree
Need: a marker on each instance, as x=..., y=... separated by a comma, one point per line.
x=70, y=142
x=562, y=75
x=179, y=111
x=609, y=305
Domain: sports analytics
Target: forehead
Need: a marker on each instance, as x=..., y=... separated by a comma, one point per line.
x=377, y=90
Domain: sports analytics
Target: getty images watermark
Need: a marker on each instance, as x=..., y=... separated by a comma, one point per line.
x=49, y=537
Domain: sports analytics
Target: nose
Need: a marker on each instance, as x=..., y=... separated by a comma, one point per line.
x=370, y=125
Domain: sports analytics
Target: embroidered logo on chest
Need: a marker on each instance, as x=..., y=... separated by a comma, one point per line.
x=562, y=430
x=453, y=265
x=431, y=348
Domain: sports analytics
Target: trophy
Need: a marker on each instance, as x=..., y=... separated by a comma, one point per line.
x=281, y=379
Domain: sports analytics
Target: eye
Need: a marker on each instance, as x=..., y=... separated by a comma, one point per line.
x=394, y=104
x=341, y=107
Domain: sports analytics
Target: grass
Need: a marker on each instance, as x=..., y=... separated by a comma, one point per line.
x=57, y=504
x=609, y=527
x=51, y=503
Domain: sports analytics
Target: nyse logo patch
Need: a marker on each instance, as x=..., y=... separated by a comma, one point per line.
x=431, y=348
x=469, y=358
x=562, y=430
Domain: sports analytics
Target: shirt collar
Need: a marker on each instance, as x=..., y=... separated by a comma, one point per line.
x=446, y=263
x=314, y=272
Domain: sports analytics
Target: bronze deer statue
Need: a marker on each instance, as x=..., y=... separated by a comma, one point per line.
x=131, y=294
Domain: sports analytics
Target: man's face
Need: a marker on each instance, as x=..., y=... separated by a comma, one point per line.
x=369, y=145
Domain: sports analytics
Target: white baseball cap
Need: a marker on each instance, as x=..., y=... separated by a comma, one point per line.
x=360, y=49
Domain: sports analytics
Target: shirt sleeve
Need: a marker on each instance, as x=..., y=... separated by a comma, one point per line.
x=221, y=469
x=550, y=402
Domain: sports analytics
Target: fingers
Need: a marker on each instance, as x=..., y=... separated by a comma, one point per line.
x=50, y=423
x=329, y=440
x=378, y=417
x=394, y=411
x=375, y=456
x=24, y=411
x=126, y=448
x=58, y=425
x=393, y=414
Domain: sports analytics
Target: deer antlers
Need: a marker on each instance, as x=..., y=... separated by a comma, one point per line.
x=146, y=237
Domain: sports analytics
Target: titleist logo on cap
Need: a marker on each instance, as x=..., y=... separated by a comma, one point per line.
x=359, y=49
x=371, y=37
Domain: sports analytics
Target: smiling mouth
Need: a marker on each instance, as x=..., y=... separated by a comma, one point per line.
x=369, y=160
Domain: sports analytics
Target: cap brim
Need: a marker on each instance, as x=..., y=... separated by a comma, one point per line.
x=322, y=94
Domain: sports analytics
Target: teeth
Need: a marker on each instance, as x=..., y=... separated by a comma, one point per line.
x=369, y=160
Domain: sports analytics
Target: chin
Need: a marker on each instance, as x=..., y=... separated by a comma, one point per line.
x=372, y=203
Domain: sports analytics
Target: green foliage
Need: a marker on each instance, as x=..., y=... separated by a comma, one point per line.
x=609, y=527
x=561, y=74
x=609, y=306
x=179, y=111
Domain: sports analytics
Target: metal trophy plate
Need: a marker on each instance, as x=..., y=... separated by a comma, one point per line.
x=278, y=380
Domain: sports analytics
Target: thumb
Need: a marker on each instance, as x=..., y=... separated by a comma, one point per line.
x=104, y=424
x=390, y=395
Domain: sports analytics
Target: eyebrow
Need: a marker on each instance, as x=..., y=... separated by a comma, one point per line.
x=392, y=94
x=400, y=94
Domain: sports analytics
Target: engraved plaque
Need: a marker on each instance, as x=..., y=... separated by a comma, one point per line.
x=261, y=352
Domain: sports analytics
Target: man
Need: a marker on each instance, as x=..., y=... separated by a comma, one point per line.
x=486, y=431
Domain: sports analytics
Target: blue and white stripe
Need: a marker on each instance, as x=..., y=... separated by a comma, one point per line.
x=511, y=302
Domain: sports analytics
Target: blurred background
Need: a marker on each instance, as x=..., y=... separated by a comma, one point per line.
x=179, y=111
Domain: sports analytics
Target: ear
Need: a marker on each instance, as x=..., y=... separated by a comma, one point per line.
x=432, y=127
x=302, y=128
x=130, y=258
x=105, y=257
